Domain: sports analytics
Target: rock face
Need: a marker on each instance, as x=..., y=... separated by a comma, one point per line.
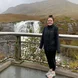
x=70, y=28
x=73, y=28
x=6, y=27
x=6, y=44
x=67, y=25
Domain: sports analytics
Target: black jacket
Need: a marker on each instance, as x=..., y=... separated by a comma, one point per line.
x=50, y=39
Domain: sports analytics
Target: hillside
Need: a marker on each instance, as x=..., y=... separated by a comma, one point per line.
x=55, y=7
x=16, y=17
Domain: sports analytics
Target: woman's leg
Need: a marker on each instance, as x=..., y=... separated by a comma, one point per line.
x=51, y=59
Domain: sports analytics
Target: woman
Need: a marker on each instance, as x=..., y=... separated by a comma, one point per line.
x=50, y=40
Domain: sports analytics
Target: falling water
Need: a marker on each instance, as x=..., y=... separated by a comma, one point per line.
x=27, y=26
x=30, y=26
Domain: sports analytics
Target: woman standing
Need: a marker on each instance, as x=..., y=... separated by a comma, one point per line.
x=50, y=40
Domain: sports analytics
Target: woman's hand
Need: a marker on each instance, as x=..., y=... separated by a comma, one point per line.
x=38, y=50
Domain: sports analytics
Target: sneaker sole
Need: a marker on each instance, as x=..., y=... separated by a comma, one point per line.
x=53, y=77
x=47, y=77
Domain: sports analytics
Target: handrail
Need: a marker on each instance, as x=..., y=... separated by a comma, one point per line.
x=18, y=41
x=37, y=34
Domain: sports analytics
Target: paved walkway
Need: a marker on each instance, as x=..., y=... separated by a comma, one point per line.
x=29, y=69
x=21, y=72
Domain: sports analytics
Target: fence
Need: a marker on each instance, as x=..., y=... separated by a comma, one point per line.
x=21, y=46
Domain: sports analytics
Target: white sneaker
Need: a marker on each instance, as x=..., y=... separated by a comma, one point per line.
x=53, y=74
x=50, y=74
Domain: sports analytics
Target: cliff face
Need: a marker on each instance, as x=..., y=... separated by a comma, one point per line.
x=6, y=44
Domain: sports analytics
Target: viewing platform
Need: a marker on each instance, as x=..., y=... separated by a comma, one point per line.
x=19, y=66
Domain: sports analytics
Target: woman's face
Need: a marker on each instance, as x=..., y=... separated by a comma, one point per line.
x=50, y=21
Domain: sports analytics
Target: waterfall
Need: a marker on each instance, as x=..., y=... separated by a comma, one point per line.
x=27, y=26
x=30, y=26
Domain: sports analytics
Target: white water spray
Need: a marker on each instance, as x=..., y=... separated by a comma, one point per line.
x=27, y=26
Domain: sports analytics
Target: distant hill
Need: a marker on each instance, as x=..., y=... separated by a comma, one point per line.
x=16, y=17
x=55, y=7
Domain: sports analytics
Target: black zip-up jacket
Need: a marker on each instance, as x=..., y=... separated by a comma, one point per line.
x=50, y=39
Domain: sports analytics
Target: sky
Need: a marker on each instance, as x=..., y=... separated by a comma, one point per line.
x=74, y=1
x=5, y=4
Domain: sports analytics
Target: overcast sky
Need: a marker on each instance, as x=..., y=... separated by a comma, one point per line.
x=74, y=1
x=5, y=4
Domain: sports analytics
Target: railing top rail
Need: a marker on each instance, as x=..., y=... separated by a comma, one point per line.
x=37, y=34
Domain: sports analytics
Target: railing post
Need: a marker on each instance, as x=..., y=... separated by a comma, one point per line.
x=18, y=48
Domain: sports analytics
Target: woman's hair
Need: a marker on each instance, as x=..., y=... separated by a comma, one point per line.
x=51, y=16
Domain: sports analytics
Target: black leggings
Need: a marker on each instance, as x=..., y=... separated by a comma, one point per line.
x=51, y=59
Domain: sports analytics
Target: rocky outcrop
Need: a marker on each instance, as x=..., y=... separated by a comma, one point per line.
x=6, y=42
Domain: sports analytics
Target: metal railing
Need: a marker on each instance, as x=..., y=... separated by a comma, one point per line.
x=18, y=40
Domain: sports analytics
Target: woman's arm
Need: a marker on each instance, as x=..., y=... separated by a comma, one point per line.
x=57, y=40
x=42, y=40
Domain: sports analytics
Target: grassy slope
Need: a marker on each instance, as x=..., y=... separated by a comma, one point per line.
x=16, y=17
